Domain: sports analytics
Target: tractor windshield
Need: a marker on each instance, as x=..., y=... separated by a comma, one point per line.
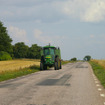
x=46, y=51
x=52, y=51
x=49, y=51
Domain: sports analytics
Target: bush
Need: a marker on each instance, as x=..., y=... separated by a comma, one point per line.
x=74, y=59
x=4, y=56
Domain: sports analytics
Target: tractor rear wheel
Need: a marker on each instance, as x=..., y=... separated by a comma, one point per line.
x=41, y=66
x=56, y=66
x=60, y=65
x=45, y=67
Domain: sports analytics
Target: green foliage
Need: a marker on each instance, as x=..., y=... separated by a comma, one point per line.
x=20, y=50
x=4, y=56
x=87, y=58
x=5, y=40
x=74, y=59
x=34, y=52
x=99, y=72
x=23, y=51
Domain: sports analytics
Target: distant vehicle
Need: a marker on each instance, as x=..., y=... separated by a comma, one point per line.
x=50, y=57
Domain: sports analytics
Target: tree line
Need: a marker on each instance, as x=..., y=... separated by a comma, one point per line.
x=86, y=58
x=19, y=50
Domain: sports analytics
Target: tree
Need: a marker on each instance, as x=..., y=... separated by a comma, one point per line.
x=5, y=40
x=87, y=58
x=20, y=50
x=74, y=59
x=34, y=52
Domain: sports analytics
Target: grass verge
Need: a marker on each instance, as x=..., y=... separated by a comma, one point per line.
x=99, y=71
x=17, y=73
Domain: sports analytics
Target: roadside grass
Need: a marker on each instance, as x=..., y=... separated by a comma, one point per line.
x=99, y=71
x=6, y=75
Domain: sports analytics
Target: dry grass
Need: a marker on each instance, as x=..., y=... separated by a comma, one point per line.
x=100, y=62
x=13, y=65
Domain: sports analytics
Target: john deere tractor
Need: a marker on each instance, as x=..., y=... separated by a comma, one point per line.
x=50, y=57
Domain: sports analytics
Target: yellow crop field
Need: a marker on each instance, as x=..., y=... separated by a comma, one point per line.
x=101, y=62
x=17, y=64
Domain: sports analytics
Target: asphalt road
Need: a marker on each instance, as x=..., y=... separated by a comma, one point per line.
x=74, y=84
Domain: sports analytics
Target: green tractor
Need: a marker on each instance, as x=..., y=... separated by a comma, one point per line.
x=50, y=57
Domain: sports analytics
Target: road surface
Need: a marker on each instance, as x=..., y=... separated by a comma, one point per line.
x=74, y=84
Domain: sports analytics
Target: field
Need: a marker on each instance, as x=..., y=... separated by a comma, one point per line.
x=13, y=65
x=100, y=62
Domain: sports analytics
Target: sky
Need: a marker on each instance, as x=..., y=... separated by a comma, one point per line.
x=76, y=26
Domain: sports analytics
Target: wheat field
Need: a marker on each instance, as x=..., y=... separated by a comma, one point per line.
x=17, y=64
x=100, y=62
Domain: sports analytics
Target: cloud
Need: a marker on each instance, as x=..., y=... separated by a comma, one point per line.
x=92, y=36
x=96, y=12
x=30, y=10
x=38, y=35
x=18, y=35
x=85, y=10
x=7, y=13
x=53, y=10
x=45, y=39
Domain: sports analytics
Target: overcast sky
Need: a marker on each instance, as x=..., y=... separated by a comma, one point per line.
x=76, y=26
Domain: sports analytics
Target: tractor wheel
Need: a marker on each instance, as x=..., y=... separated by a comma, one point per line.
x=45, y=67
x=56, y=66
x=41, y=66
x=60, y=65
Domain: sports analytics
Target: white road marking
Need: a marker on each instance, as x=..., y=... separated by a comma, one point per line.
x=97, y=85
x=96, y=81
x=99, y=89
x=102, y=95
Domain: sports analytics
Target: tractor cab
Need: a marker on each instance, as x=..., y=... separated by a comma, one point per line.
x=49, y=53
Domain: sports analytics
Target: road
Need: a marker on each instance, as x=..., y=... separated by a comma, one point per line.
x=74, y=84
